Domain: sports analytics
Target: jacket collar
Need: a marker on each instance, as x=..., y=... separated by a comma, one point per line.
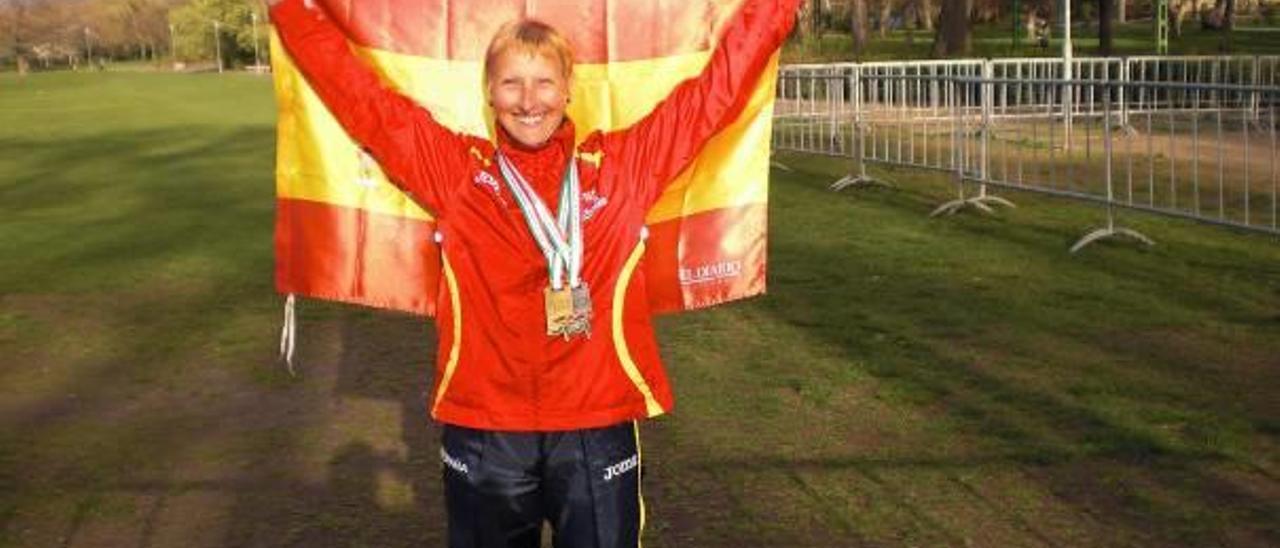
x=543, y=167
x=558, y=147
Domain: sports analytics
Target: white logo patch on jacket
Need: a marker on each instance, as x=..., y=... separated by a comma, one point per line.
x=483, y=179
x=592, y=203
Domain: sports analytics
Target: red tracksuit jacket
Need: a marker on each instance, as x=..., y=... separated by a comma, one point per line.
x=497, y=369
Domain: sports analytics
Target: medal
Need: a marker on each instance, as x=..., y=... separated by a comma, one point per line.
x=560, y=310
x=580, y=322
x=568, y=311
x=567, y=298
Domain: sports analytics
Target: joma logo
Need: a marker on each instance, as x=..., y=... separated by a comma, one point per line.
x=455, y=464
x=621, y=467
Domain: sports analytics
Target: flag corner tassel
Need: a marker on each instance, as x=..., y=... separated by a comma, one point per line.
x=288, y=333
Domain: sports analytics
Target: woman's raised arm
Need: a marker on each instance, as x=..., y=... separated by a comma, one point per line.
x=418, y=154
x=663, y=143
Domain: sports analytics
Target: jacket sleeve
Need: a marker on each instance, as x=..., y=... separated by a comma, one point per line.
x=656, y=149
x=417, y=153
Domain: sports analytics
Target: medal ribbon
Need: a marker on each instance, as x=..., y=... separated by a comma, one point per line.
x=559, y=238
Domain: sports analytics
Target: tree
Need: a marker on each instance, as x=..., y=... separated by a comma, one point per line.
x=803, y=16
x=1105, y=27
x=952, y=35
x=1220, y=17
x=142, y=26
x=986, y=11
x=53, y=32
x=1178, y=10
x=16, y=30
x=65, y=31
x=923, y=12
x=885, y=18
x=858, y=25
x=195, y=25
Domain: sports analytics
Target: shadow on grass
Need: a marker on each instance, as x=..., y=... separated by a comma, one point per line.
x=143, y=395
x=372, y=497
x=1095, y=432
x=146, y=474
x=118, y=209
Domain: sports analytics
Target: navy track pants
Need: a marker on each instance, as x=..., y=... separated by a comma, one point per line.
x=500, y=487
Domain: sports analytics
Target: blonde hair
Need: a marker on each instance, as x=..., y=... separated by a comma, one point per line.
x=531, y=37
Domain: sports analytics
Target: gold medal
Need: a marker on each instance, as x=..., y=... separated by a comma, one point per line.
x=559, y=310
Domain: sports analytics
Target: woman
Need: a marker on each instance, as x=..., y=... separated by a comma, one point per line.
x=547, y=357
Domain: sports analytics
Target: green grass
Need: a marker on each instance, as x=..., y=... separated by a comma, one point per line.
x=907, y=381
x=996, y=40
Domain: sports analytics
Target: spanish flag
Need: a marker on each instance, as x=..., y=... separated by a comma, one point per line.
x=344, y=233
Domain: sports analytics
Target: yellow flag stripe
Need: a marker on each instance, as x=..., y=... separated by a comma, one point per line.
x=317, y=161
x=733, y=168
x=320, y=162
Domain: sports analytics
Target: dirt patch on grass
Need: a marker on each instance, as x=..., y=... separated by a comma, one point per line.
x=1199, y=502
x=131, y=443
x=1244, y=368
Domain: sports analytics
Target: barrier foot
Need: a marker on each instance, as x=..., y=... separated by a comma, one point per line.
x=997, y=200
x=774, y=164
x=857, y=180
x=1107, y=232
x=981, y=203
x=1127, y=130
x=950, y=208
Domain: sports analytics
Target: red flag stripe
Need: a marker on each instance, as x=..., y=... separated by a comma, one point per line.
x=317, y=256
x=601, y=31
x=355, y=256
x=710, y=271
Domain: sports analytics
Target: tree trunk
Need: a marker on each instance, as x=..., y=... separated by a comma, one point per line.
x=1219, y=18
x=1177, y=13
x=802, y=21
x=967, y=17
x=819, y=7
x=952, y=35
x=858, y=25
x=1105, y=30
x=886, y=11
x=19, y=25
x=1120, y=11
x=924, y=13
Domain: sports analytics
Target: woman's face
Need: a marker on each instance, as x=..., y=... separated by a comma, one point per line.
x=528, y=94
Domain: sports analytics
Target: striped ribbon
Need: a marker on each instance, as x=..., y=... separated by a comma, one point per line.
x=560, y=239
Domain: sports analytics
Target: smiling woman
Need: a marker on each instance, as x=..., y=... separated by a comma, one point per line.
x=547, y=355
x=528, y=69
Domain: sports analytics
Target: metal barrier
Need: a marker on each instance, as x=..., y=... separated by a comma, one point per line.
x=1143, y=133
x=813, y=110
